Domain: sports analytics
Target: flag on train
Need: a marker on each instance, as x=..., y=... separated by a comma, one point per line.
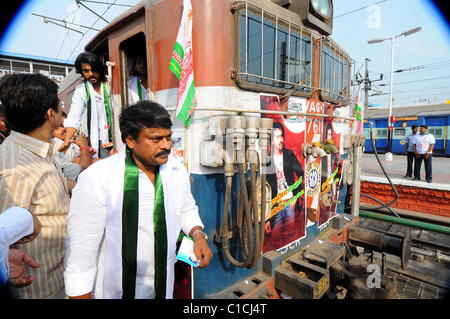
x=182, y=66
x=358, y=113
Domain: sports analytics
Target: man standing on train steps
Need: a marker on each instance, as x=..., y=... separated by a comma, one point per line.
x=423, y=148
x=91, y=97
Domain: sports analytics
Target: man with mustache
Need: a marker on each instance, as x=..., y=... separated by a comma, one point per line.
x=126, y=214
x=91, y=97
x=286, y=222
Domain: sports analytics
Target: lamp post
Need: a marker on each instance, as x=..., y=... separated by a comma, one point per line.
x=391, y=95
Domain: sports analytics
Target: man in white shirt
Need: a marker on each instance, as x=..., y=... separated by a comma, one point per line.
x=127, y=212
x=91, y=97
x=138, y=89
x=409, y=150
x=423, y=148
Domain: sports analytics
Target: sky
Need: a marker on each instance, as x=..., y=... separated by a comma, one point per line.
x=426, y=54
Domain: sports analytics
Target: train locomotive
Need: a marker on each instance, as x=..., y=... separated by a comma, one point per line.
x=262, y=68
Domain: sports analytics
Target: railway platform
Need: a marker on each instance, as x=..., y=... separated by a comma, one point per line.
x=420, y=197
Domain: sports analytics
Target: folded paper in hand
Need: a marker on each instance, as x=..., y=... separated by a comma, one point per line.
x=186, y=252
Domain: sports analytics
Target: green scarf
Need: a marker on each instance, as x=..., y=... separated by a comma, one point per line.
x=130, y=216
x=107, y=109
x=139, y=88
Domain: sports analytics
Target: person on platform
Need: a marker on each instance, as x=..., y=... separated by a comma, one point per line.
x=92, y=97
x=127, y=212
x=31, y=178
x=409, y=150
x=423, y=149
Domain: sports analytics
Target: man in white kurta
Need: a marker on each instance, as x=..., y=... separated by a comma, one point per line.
x=99, y=125
x=91, y=100
x=94, y=240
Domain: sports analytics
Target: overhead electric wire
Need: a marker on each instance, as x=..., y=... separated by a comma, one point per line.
x=362, y=8
x=67, y=35
x=419, y=68
x=106, y=3
x=90, y=28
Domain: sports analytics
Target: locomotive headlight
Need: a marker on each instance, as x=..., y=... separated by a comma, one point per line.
x=322, y=7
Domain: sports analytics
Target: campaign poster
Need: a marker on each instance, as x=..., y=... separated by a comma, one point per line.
x=178, y=140
x=313, y=137
x=331, y=166
x=285, y=174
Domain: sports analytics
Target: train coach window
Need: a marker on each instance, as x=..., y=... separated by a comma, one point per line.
x=273, y=53
x=366, y=132
x=399, y=133
x=382, y=133
x=436, y=131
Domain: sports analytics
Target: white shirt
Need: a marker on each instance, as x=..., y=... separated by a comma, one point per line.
x=78, y=109
x=423, y=142
x=133, y=93
x=88, y=217
x=15, y=223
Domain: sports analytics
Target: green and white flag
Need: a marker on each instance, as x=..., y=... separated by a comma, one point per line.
x=182, y=66
x=358, y=113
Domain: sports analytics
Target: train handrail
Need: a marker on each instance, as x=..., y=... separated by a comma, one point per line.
x=240, y=111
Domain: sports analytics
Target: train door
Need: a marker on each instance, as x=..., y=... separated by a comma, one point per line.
x=436, y=126
x=134, y=70
x=398, y=140
x=366, y=132
x=381, y=135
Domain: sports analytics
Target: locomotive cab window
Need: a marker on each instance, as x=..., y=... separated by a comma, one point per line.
x=334, y=75
x=274, y=55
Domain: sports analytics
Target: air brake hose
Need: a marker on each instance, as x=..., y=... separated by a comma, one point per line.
x=254, y=207
x=224, y=231
x=383, y=205
x=248, y=206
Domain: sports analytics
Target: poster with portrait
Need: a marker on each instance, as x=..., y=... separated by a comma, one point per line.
x=331, y=166
x=285, y=173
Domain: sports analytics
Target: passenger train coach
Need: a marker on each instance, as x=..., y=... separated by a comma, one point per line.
x=436, y=116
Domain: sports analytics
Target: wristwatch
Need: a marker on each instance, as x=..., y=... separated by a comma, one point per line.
x=201, y=232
